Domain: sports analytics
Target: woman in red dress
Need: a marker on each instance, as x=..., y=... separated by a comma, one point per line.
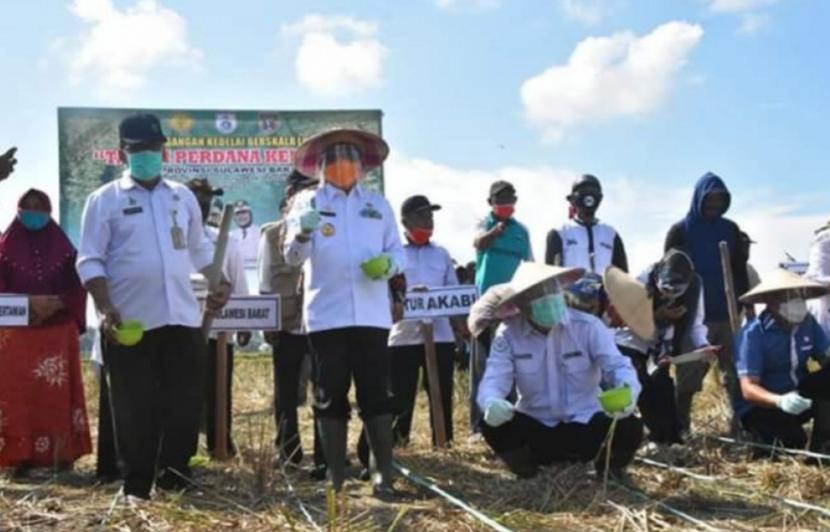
x=43, y=421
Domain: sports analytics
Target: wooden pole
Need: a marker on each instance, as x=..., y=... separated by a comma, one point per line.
x=436, y=405
x=729, y=287
x=221, y=432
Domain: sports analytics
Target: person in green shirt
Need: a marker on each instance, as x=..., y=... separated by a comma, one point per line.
x=502, y=243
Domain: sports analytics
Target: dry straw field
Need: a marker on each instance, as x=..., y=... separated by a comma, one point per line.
x=718, y=485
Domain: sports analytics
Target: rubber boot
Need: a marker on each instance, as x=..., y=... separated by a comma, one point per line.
x=820, y=440
x=381, y=441
x=333, y=436
x=520, y=462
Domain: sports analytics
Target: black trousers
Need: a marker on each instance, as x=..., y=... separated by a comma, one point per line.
x=106, y=458
x=771, y=424
x=210, y=396
x=343, y=354
x=566, y=442
x=407, y=365
x=657, y=402
x=157, y=391
x=288, y=361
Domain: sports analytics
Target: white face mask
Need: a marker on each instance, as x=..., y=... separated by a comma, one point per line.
x=793, y=310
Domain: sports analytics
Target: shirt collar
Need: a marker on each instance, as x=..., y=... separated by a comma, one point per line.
x=770, y=324
x=330, y=190
x=128, y=183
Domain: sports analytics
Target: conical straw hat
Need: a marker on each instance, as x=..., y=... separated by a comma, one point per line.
x=781, y=280
x=529, y=275
x=631, y=301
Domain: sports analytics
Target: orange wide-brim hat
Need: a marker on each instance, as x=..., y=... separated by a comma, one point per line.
x=373, y=149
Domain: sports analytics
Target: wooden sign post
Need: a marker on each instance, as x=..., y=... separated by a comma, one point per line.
x=729, y=287
x=242, y=313
x=439, y=426
x=427, y=304
x=221, y=429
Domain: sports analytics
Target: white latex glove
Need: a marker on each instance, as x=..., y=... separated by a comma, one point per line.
x=498, y=412
x=794, y=404
x=309, y=221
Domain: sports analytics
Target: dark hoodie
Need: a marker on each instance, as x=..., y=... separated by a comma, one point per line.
x=700, y=239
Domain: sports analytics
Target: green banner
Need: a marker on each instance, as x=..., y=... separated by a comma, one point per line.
x=247, y=153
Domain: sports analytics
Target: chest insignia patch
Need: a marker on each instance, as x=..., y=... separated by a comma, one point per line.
x=327, y=230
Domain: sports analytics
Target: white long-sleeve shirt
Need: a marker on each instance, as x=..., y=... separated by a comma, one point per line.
x=557, y=375
x=429, y=266
x=126, y=237
x=818, y=270
x=355, y=227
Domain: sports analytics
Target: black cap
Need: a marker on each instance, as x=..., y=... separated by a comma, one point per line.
x=586, y=181
x=201, y=185
x=141, y=128
x=296, y=179
x=501, y=186
x=417, y=203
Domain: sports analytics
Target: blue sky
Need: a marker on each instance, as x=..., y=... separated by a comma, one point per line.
x=738, y=87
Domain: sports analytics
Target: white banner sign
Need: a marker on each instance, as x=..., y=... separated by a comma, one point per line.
x=249, y=313
x=440, y=302
x=14, y=311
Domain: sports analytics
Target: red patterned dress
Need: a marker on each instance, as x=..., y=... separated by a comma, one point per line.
x=43, y=420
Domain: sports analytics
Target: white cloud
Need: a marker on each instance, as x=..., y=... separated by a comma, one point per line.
x=641, y=213
x=607, y=77
x=120, y=48
x=589, y=12
x=738, y=6
x=338, y=55
x=475, y=5
x=752, y=23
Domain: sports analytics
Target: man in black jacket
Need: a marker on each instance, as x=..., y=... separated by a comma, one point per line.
x=699, y=234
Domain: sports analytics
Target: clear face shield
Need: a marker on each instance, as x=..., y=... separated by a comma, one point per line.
x=545, y=305
x=341, y=165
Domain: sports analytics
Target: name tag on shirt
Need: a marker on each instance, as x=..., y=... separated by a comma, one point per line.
x=523, y=356
x=132, y=210
x=572, y=354
x=372, y=213
x=328, y=214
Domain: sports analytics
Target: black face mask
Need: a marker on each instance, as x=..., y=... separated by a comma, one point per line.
x=586, y=201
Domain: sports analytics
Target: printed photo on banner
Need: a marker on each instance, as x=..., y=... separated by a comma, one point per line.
x=248, y=154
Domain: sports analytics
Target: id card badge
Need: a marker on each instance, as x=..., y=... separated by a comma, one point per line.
x=177, y=233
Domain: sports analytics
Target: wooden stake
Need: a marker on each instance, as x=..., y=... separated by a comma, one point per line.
x=729, y=287
x=221, y=433
x=437, y=406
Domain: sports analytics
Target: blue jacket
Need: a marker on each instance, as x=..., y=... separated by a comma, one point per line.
x=700, y=238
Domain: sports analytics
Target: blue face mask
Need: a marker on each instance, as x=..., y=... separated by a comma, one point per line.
x=34, y=220
x=145, y=165
x=549, y=310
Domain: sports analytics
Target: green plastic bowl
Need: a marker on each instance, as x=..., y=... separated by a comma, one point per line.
x=377, y=267
x=130, y=332
x=616, y=399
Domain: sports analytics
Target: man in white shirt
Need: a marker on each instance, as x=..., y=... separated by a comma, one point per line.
x=584, y=241
x=234, y=271
x=428, y=265
x=141, y=236
x=556, y=357
x=347, y=239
